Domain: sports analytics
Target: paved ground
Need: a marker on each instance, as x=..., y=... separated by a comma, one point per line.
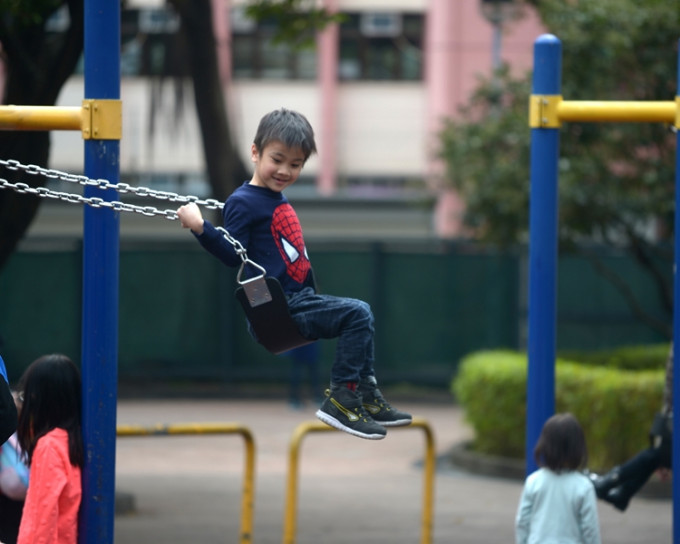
x=188, y=488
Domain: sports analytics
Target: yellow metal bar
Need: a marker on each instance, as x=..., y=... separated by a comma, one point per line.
x=618, y=111
x=97, y=119
x=40, y=118
x=549, y=111
x=289, y=521
x=247, y=501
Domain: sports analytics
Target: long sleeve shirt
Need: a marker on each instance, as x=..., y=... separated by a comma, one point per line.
x=557, y=509
x=54, y=492
x=266, y=225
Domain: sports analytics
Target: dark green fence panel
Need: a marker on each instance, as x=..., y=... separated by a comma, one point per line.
x=40, y=306
x=592, y=312
x=433, y=303
x=169, y=311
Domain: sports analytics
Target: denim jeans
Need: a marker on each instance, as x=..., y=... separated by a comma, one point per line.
x=347, y=319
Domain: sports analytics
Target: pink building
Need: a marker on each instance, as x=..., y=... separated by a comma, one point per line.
x=376, y=90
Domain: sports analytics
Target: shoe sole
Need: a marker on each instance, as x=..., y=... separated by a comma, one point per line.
x=330, y=420
x=397, y=423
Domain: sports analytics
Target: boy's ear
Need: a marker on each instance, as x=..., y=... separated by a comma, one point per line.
x=254, y=153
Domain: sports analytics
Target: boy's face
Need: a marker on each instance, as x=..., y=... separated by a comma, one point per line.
x=277, y=167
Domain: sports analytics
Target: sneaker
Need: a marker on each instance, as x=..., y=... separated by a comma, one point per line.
x=343, y=410
x=380, y=410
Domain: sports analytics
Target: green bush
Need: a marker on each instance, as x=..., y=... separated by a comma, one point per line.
x=615, y=407
x=649, y=357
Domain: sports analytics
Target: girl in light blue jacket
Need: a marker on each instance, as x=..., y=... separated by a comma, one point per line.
x=558, y=503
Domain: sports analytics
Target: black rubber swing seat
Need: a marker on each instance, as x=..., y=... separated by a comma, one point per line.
x=266, y=308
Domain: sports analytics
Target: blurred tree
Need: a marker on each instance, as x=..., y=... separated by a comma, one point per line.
x=616, y=179
x=38, y=63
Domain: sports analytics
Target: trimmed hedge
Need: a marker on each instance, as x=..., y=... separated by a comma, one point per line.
x=649, y=357
x=616, y=407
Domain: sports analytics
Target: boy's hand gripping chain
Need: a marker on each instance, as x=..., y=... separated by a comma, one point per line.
x=255, y=287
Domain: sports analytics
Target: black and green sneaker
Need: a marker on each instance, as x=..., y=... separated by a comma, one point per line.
x=380, y=410
x=343, y=410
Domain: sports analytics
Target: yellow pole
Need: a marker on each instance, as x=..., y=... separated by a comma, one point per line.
x=428, y=481
x=40, y=118
x=289, y=520
x=616, y=111
x=247, y=501
x=290, y=511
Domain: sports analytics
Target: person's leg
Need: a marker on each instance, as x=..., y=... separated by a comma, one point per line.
x=349, y=320
x=352, y=323
x=620, y=484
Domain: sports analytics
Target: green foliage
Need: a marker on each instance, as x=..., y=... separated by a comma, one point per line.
x=486, y=153
x=614, y=178
x=652, y=357
x=616, y=407
x=491, y=387
x=296, y=20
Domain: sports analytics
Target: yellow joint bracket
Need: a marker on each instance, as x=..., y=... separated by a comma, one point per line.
x=543, y=111
x=102, y=119
x=677, y=111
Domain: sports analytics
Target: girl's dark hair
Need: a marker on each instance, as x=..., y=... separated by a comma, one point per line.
x=288, y=127
x=51, y=392
x=562, y=444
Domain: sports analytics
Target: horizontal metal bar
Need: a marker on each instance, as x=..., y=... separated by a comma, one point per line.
x=617, y=111
x=306, y=427
x=41, y=118
x=183, y=428
x=248, y=494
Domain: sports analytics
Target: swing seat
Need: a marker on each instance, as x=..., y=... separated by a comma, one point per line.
x=266, y=308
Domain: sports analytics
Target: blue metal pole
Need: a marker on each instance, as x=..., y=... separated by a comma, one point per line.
x=100, y=284
x=542, y=250
x=676, y=328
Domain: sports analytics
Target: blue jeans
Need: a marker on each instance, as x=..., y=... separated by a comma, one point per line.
x=349, y=320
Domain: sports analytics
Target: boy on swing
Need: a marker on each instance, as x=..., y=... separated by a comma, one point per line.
x=258, y=215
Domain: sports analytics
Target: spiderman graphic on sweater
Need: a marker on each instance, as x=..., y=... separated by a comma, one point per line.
x=287, y=235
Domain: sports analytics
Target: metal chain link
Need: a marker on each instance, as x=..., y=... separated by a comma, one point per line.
x=142, y=192
x=115, y=205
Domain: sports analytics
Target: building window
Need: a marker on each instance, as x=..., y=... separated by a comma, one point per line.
x=256, y=56
x=381, y=46
x=151, y=44
x=373, y=46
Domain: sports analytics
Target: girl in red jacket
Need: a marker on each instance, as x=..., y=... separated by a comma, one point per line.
x=50, y=435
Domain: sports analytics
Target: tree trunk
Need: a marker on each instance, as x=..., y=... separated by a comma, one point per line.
x=225, y=168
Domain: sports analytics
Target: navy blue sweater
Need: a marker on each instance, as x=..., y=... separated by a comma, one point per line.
x=266, y=225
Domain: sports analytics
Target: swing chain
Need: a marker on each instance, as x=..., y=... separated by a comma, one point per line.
x=142, y=192
x=115, y=205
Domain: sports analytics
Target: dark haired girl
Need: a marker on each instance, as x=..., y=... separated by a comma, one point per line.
x=50, y=436
x=558, y=501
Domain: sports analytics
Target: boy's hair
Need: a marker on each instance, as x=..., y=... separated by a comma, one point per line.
x=562, y=444
x=288, y=127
